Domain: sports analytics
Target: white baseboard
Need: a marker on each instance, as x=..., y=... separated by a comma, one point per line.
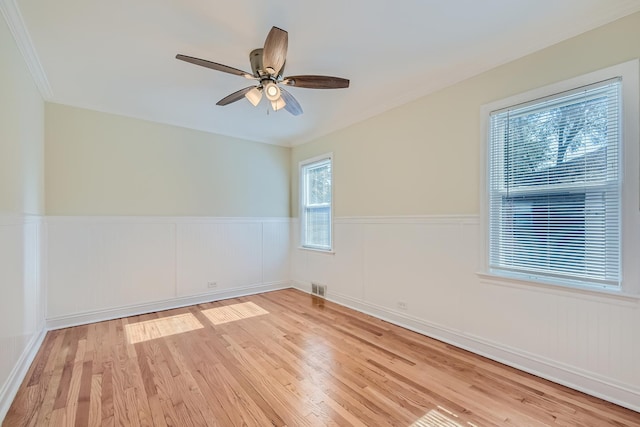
x=17, y=375
x=603, y=388
x=133, y=310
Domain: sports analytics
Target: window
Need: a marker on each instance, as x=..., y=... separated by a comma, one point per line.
x=556, y=207
x=315, y=201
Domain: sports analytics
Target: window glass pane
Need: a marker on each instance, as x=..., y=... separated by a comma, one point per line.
x=554, y=187
x=316, y=204
x=318, y=226
x=558, y=144
x=545, y=231
x=319, y=181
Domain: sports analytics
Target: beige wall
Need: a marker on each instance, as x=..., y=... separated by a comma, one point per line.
x=103, y=164
x=423, y=157
x=21, y=133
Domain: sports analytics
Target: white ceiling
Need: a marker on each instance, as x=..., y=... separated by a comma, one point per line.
x=118, y=56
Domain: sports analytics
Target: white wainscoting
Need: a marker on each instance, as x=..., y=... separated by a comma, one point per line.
x=587, y=341
x=98, y=268
x=22, y=303
x=101, y=268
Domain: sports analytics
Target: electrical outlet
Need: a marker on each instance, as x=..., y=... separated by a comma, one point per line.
x=212, y=285
x=402, y=305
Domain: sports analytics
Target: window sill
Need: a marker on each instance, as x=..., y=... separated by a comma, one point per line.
x=321, y=251
x=620, y=297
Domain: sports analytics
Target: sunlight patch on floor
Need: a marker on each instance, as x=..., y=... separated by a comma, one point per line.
x=158, y=328
x=231, y=313
x=435, y=418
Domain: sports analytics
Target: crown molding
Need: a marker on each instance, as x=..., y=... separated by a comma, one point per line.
x=12, y=15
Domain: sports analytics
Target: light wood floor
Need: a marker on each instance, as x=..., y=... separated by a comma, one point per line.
x=282, y=358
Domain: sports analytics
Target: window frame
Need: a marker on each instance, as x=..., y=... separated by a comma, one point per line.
x=302, y=200
x=629, y=170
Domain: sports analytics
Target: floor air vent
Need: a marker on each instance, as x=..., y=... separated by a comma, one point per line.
x=319, y=290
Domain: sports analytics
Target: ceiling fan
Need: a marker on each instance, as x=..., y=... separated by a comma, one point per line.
x=267, y=65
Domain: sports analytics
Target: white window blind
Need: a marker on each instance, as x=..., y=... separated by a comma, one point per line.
x=316, y=204
x=555, y=187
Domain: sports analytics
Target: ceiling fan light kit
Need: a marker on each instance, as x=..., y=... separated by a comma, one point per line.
x=272, y=91
x=278, y=104
x=254, y=96
x=267, y=65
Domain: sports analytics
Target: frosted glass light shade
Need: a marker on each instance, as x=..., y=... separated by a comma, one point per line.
x=254, y=96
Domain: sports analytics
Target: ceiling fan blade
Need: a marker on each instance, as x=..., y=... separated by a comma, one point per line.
x=316, y=82
x=291, y=105
x=214, y=66
x=235, y=96
x=275, y=50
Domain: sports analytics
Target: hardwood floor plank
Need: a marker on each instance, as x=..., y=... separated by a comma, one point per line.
x=70, y=345
x=213, y=389
x=167, y=392
x=191, y=394
x=37, y=368
x=95, y=403
x=243, y=376
x=106, y=397
x=282, y=358
x=31, y=396
x=158, y=419
x=54, y=368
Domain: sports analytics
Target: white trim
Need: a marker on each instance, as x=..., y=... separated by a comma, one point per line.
x=629, y=71
x=150, y=307
x=61, y=219
x=314, y=250
x=16, y=25
x=583, y=292
x=315, y=159
x=19, y=219
x=408, y=219
x=621, y=394
x=18, y=373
